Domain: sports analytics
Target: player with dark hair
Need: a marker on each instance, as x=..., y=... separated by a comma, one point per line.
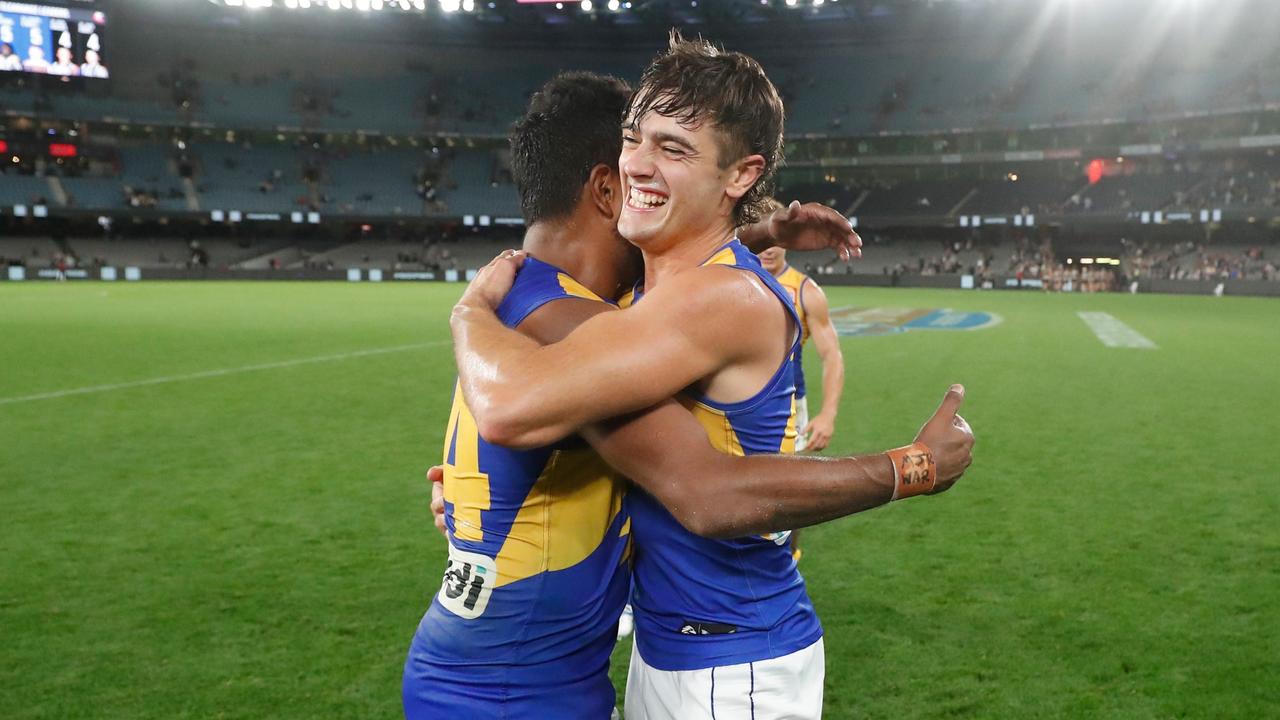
x=722, y=625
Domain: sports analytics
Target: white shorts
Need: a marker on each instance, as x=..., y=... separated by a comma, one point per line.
x=802, y=419
x=784, y=688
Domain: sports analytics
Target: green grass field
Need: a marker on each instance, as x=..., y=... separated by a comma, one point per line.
x=257, y=544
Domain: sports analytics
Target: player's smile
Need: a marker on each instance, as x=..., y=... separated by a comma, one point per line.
x=645, y=199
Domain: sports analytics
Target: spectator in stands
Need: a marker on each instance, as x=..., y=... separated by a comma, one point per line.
x=9, y=61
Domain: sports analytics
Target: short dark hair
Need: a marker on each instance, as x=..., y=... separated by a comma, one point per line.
x=571, y=126
x=694, y=81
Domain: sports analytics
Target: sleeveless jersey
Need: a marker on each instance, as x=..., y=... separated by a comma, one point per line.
x=526, y=616
x=702, y=603
x=794, y=281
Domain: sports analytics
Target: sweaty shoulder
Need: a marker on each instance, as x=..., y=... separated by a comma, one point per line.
x=720, y=303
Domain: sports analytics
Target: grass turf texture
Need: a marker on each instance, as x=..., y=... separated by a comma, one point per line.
x=258, y=544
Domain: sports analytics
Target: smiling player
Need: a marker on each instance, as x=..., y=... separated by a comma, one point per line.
x=723, y=625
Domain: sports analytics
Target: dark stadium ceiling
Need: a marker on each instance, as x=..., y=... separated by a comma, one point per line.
x=605, y=12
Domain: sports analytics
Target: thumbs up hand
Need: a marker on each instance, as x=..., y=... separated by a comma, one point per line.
x=949, y=438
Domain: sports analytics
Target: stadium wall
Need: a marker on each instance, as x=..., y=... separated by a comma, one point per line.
x=1259, y=288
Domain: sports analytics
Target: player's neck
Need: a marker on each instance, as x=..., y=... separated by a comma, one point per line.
x=684, y=254
x=562, y=245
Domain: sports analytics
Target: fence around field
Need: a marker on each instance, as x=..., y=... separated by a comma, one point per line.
x=1261, y=288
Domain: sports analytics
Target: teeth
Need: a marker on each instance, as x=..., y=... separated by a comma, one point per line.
x=647, y=200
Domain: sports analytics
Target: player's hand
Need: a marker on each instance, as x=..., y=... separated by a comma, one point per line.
x=491, y=284
x=819, y=432
x=949, y=438
x=814, y=226
x=435, y=476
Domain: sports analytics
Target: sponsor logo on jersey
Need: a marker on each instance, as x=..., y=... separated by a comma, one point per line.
x=860, y=322
x=468, y=583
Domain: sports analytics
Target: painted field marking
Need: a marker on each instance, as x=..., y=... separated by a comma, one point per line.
x=91, y=389
x=1114, y=333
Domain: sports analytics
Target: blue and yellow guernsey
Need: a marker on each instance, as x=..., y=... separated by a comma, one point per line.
x=703, y=603
x=537, y=576
x=794, y=281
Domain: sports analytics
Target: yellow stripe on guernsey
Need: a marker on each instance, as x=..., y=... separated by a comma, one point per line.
x=563, y=519
x=573, y=288
x=724, y=437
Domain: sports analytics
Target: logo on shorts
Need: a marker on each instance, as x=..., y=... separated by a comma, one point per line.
x=861, y=322
x=468, y=582
x=691, y=627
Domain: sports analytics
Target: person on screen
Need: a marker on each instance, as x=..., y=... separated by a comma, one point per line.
x=9, y=60
x=91, y=66
x=64, y=65
x=35, y=61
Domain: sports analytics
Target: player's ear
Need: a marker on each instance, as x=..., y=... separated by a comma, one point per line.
x=743, y=175
x=604, y=190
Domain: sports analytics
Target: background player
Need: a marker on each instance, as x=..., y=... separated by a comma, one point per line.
x=815, y=322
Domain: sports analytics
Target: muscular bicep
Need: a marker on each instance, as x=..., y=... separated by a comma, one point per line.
x=620, y=362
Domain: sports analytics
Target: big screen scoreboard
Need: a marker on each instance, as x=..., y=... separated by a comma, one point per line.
x=50, y=39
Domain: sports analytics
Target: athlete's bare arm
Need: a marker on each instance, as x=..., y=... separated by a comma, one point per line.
x=664, y=450
x=827, y=342
x=808, y=226
x=701, y=321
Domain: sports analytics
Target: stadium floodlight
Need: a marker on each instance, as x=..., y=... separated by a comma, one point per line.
x=335, y=5
x=450, y=6
x=614, y=5
x=235, y=3
x=304, y=4
x=468, y=5
x=792, y=3
x=291, y=4
x=362, y=5
x=817, y=3
x=376, y=4
x=420, y=4
x=586, y=6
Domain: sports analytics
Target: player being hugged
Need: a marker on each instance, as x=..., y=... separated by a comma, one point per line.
x=724, y=626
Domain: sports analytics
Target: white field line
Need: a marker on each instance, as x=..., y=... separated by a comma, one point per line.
x=1114, y=333
x=91, y=389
